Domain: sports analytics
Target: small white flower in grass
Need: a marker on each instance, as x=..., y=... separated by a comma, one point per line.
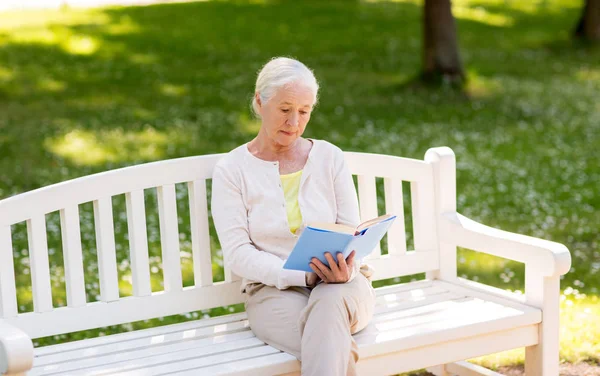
x=568, y=290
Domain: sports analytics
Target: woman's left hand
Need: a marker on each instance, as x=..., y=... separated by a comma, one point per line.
x=338, y=271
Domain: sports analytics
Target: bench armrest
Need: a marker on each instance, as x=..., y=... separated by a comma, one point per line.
x=549, y=258
x=16, y=350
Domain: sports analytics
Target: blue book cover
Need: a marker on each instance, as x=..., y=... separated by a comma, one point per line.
x=315, y=242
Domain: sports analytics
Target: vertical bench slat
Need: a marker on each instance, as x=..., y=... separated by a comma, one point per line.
x=138, y=243
x=423, y=212
x=8, y=292
x=169, y=237
x=394, y=204
x=200, y=235
x=105, y=242
x=443, y=168
x=367, y=199
x=73, y=257
x=40, y=267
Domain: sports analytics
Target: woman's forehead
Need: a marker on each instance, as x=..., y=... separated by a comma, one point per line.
x=294, y=94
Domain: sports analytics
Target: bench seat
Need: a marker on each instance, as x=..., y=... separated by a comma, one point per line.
x=412, y=322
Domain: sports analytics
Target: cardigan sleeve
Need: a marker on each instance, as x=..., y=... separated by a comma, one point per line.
x=346, y=199
x=239, y=253
x=345, y=192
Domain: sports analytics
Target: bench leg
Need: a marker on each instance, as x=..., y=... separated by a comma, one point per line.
x=543, y=359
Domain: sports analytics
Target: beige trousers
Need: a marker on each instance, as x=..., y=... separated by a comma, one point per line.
x=315, y=326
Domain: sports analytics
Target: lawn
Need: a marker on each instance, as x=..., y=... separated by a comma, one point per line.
x=84, y=91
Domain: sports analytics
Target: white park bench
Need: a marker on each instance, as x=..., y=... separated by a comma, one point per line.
x=436, y=323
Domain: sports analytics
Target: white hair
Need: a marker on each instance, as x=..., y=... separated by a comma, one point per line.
x=279, y=72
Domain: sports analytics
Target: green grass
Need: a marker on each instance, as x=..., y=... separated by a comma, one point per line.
x=84, y=91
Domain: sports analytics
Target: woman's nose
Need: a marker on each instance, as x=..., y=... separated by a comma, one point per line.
x=293, y=119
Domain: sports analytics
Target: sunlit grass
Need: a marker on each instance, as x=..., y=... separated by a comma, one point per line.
x=20, y=21
x=5, y=74
x=81, y=45
x=142, y=59
x=48, y=84
x=41, y=36
x=173, y=90
x=93, y=148
x=481, y=15
x=479, y=86
x=55, y=28
x=588, y=75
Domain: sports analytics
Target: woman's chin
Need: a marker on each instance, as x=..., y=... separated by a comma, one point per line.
x=286, y=138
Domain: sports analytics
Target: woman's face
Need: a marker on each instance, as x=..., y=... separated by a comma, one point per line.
x=285, y=115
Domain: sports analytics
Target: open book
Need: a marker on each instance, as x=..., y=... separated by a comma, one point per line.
x=319, y=238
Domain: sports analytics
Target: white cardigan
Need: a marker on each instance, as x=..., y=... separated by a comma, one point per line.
x=248, y=209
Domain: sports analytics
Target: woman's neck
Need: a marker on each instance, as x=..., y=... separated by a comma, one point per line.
x=264, y=147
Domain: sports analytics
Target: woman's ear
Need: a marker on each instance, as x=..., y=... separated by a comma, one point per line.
x=257, y=99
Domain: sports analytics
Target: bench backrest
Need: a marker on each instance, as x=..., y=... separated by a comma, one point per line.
x=112, y=309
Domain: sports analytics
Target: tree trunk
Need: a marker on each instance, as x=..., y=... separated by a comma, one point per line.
x=441, y=58
x=588, y=27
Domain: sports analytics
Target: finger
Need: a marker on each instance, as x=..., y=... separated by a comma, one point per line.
x=350, y=259
x=323, y=268
x=332, y=263
x=317, y=272
x=318, y=263
x=342, y=264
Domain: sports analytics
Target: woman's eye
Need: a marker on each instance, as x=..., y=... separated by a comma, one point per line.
x=304, y=112
x=285, y=110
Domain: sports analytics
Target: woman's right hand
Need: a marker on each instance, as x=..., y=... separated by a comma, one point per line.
x=339, y=271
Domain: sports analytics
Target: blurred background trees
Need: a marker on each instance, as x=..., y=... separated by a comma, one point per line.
x=588, y=27
x=441, y=56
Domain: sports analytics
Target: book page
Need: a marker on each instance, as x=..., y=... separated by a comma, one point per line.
x=373, y=221
x=335, y=227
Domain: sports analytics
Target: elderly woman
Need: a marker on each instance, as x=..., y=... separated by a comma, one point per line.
x=263, y=193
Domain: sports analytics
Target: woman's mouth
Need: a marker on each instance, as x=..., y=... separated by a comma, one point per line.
x=287, y=133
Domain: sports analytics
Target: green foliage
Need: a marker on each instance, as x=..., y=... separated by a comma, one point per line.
x=84, y=91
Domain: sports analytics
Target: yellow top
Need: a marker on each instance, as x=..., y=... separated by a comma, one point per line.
x=291, y=184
